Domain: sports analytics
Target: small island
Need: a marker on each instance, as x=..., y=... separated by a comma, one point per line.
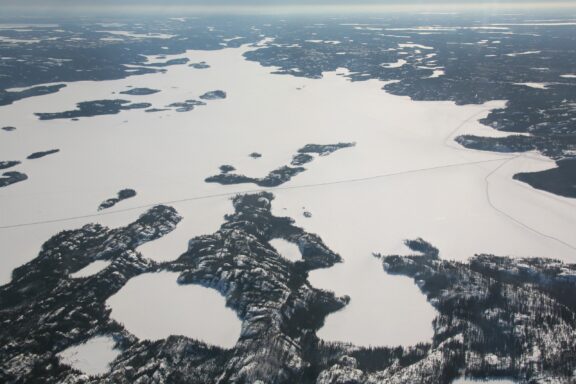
x=8, y=164
x=213, y=95
x=121, y=195
x=186, y=106
x=94, y=108
x=226, y=168
x=200, y=65
x=37, y=155
x=9, y=178
x=140, y=91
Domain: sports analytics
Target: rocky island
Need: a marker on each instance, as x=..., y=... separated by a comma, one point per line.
x=9, y=178
x=94, y=108
x=37, y=155
x=140, y=91
x=121, y=195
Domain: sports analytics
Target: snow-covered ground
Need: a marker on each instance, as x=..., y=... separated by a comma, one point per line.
x=286, y=249
x=92, y=357
x=140, y=35
x=154, y=306
x=91, y=269
x=405, y=178
x=534, y=85
x=489, y=381
x=399, y=63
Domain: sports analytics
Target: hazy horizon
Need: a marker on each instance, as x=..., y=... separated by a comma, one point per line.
x=34, y=7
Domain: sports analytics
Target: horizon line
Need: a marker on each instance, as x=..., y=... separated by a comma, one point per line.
x=291, y=9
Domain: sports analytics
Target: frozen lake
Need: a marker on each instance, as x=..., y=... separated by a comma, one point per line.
x=405, y=178
x=154, y=306
x=92, y=357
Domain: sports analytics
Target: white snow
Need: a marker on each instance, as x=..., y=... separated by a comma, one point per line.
x=92, y=357
x=437, y=73
x=140, y=35
x=399, y=63
x=535, y=85
x=19, y=41
x=488, y=381
x=286, y=249
x=514, y=54
x=333, y=42
x=405, y=178
x=27, y=26
x=541, y=24
x=411, y=45
x=154, y=306
x=384, y=309
x=91, y=269
x=369, y=28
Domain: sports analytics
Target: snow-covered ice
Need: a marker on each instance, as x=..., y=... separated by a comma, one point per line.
x=154, y=306
x=91, y=269
x=92, y=357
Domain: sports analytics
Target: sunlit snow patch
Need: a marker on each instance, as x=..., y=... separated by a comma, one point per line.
x=286, y=249
x=478, y=381
x=534, y=85
x=91, y=269
x=92, y=357
x=397, y=64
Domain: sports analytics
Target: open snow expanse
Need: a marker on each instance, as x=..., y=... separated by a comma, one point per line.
x=405, y=178
x=154, y=306
x=92, y=357
x=472, y=381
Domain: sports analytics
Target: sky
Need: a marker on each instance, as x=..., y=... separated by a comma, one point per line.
x=262, y=5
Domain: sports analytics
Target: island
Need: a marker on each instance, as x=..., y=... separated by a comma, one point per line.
x=140, y=91
x=94, y=108
x=213, y=95
x=9, y=178
x=8, y=164
x=37, y=155
x=282, y=174
x=121, y=195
